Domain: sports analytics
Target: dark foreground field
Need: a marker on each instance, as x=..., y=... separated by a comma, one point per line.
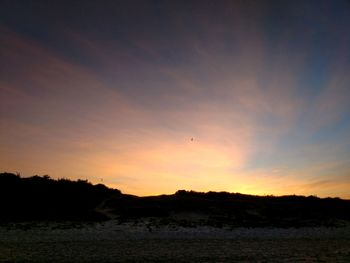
x=179, y=251
x=110, y=242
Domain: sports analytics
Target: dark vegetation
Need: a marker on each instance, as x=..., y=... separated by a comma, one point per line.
x=188, y=208
x=43, y=198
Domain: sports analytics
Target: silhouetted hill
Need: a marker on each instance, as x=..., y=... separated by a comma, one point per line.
x=219, y=209
x=43, y=198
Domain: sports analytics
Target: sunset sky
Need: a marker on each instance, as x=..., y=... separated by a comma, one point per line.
x=114, y=92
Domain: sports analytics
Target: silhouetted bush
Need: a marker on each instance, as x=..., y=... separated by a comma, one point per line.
x=43, y=198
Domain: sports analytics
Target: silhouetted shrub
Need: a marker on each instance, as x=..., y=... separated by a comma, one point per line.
x=43, y=198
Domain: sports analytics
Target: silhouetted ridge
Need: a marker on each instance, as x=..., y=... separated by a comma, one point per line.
x=191, y=208
x=43, y=198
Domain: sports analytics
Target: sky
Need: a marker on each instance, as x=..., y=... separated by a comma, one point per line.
x=155, y=96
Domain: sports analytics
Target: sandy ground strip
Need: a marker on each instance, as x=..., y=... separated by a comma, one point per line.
x=111, y=242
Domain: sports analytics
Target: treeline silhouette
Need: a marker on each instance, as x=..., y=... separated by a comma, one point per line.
x=43, y=198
